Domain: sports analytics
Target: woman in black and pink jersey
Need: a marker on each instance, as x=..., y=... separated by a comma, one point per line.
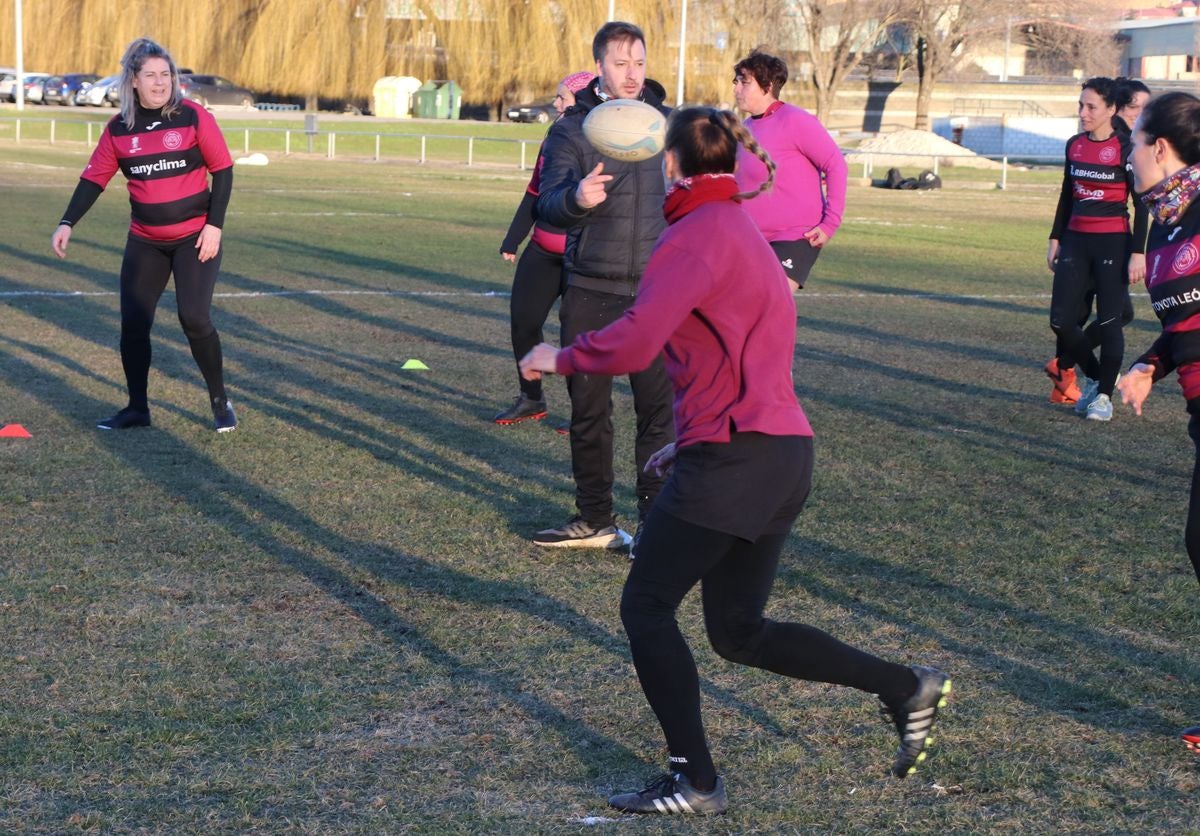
x=166, y=147
x=1091, y=251
x=1166, y=171
x=538, y=280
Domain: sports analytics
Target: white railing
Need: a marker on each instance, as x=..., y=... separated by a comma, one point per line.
x=370, y=145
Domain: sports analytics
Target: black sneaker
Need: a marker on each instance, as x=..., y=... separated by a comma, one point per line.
x=672, y=793
x=1191, y=738
x=224, y=421
x=522, y=409
x=578, y=533
x=126, y=419
x=914, y=719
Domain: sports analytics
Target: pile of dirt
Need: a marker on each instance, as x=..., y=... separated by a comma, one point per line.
x=915, y=149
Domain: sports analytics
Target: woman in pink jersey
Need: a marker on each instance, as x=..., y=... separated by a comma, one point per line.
x=166, y=147
x=716, y=305
x=804, y=209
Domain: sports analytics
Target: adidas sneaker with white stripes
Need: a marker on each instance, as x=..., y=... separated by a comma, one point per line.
x=914, y=719
x=672, y=794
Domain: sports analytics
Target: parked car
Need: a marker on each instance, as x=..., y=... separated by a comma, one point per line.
x=208, y=90
x=8, y=78
x=61, y=89
x=8, y=86
x=34, y=85
x=541, y=113
x=96, y=94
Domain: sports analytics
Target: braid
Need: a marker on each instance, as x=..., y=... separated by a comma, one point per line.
x=747, y=139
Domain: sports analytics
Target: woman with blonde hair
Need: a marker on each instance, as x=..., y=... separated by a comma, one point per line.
x=166, y=147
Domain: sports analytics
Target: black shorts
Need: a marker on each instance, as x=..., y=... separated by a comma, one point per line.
x=753, y=485
x=797, y=258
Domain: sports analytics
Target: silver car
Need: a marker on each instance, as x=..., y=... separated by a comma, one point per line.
x=96, y=94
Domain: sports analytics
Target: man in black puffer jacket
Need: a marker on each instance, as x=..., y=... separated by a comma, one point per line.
x=612, y=211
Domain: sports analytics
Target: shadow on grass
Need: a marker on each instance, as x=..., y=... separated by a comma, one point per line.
x=900, y=585
x=192, y=486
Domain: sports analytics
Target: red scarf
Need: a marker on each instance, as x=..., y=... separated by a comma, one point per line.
x=692, y=192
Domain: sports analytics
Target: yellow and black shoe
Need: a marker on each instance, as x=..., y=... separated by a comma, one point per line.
x=914, y=718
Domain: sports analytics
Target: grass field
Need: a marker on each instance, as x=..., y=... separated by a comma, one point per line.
x=333, y=620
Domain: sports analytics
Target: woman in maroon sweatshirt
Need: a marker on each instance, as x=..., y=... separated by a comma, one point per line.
x=715, y=302
x=1166, y=172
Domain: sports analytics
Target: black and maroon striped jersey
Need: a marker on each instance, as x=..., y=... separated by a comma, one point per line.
x=166, y=162
x=1097, y=184
x=1173, y=281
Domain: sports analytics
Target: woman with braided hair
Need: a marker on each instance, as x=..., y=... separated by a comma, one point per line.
x=715, y=302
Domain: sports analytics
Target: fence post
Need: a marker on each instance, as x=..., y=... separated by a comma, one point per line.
x=89, y=134
x=470, y=150
x=936, y=160
x=18, y=136
x=422, y=148
x=287, y=142
x=330, y=146
x=522, y=155
x=1004, y=172
x=52, y=124
x=376, y=147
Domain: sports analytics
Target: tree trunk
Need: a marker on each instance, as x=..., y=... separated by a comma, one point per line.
x=825, y=96
x=924, y=85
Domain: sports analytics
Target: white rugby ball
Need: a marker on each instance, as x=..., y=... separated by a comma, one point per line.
x=626, y=129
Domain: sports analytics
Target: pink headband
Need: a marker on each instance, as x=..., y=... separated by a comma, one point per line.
x=577, y=81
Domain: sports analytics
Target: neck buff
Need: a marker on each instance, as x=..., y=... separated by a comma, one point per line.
x=1171, y=198
x=691, y=192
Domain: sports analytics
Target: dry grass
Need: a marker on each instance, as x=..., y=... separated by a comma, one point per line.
x=333, y=621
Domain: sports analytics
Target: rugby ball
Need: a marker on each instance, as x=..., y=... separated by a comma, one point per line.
x=626, y=129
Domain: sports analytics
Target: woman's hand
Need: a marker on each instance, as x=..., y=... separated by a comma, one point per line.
x=1135, y=384
x=1052, y=254
x=60, y=239
x=1137, y=267
x=208, y=242
x=662, y=461
x=541, y=358
x=509, y=257
x=816, y=237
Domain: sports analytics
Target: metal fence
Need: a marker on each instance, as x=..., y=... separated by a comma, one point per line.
x=373, y=145
x=413, y=147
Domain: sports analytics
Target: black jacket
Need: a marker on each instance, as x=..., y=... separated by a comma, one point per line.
x=607, y=246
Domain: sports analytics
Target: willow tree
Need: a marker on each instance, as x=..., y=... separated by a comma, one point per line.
x=310, y=48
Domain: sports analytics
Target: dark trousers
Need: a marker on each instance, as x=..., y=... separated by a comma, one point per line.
x=1099, y=264
x=1192, y=534
x=145, y=270
x=736, y=577
x=537, y=282
x=591, y=412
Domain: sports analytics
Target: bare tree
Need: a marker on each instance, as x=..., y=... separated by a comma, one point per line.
x=840, y=34
x=943, y=31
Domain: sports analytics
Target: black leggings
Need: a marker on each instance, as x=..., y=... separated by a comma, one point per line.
x=1092, y=263
x=1192, y=534
x=144, y=273
x=736, y=577
x=537, y=282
